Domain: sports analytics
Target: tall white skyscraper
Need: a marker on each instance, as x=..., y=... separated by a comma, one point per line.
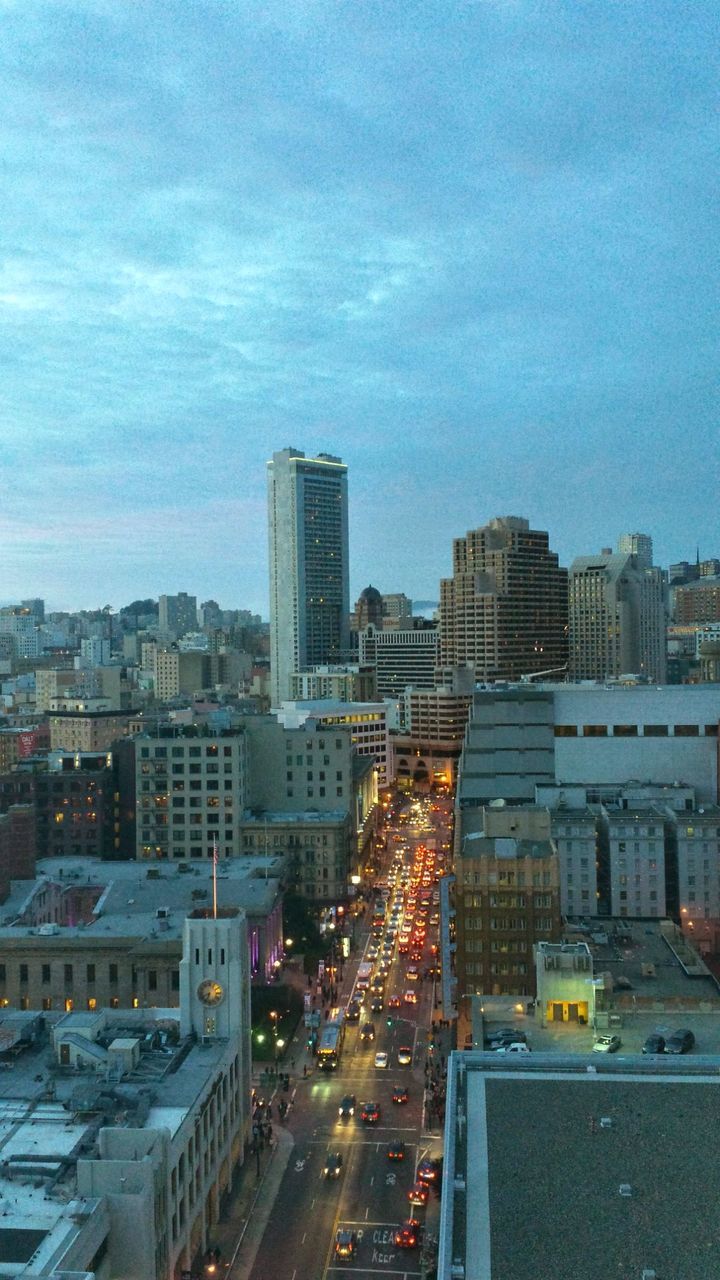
x=309, y=573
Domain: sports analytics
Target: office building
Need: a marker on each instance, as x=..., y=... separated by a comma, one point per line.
x=309, y=572
x=639, y=545
x=180, y=672
x=400, y=657
x=191, y=791
x=396, y=608
x=698, y=602
x=507, y=898
x=366, y=722
x=368, y=610
x=504, y=611
x=552, y=1169
x=81, y=730
x=617, y=618
x=177, y=614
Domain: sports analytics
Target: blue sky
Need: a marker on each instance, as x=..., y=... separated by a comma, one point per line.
x=470, y=246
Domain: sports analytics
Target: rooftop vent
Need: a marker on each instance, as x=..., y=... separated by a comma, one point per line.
x=606, y=1122
x=625, y=1189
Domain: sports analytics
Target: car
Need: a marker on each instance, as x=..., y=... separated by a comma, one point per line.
x=504, y=1035
x=412, y=974
x=370, y=1113
x=367, y=1031
x=680, y=1042
x=401, y=1093
x=518, y=1046
x=429, y=1171
x=394, y=1002
x=347, y=1106
x=381, y=1059
x=376, y=1005
x=404, y=1055
x=654, y=1044
x=407, y=1235
x=607, y=1044
x=396, y=1151
x=410, y=997
x=333, y=1164
x=418, y=1193
x=352, y=1013
x=345, y=1244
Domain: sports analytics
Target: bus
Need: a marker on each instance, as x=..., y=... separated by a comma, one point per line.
x=364, y=974
x=331, y=1041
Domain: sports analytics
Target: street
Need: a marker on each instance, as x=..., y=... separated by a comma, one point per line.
x=370, y=1196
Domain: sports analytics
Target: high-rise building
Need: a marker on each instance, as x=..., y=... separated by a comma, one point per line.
x=397, y=606
x=616, y=618
x=309, y=578
x=401, y=657
x=639, y=545
x=504, y=611
x=177, y=614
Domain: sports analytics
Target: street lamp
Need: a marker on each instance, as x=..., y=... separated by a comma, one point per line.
x=274, y=1016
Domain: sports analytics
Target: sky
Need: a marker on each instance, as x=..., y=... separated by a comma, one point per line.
x=470, y=246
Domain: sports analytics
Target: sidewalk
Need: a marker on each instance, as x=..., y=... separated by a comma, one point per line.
x=244, y=1220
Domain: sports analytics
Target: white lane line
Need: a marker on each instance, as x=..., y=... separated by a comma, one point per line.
x=367, y=1214
x=304, y=1238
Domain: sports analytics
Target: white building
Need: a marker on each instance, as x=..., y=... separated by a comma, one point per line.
x=309, y=572
x=113, y=1161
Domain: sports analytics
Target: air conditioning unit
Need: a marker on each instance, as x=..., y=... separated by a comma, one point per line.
x=162, y=913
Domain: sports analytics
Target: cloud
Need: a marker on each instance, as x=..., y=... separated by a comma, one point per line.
x=447, y=243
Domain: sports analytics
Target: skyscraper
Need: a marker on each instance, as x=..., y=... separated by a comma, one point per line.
x=309, y=576
x=616, y=618
x=639, y=545
x=504, y=611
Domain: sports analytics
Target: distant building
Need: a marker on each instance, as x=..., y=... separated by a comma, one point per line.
x=396, y=607
x=177, y=614
x=309, y=569
x=190, y=794
x=342, y=684
x=180, y=672
x=617, y=618
x=639, y=545
x=698, y=602
x=366, y=722
x=400, y=657
x=368, y=610
x=504, y=611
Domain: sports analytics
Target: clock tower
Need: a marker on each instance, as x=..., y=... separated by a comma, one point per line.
x=215, y=976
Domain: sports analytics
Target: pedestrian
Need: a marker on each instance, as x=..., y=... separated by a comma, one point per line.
x=304, y=1070
x=292, y=1064
x=268, y=1111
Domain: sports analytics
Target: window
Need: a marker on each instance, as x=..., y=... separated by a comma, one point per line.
x=45, y=974
x=655, y=731
x=91, y=973
x=595, y=731
x=625, y=730
x=23, y=973
x=687, y=730
x=566, y=731
x=113, y=974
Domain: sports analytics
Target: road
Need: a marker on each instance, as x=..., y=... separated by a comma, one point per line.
x=370, y=1195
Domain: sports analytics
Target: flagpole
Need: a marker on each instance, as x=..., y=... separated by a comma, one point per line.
x=215, y=861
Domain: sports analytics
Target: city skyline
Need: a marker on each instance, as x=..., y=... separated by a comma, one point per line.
x=470, y=251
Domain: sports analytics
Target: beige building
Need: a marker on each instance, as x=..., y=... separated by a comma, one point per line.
x=86, y=730
x=616, y=618
x=318, y=849
x=180, y=672
x=190, y=794
x=504, y=611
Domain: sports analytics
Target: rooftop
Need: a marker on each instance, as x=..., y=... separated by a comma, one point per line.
x=613, y=1179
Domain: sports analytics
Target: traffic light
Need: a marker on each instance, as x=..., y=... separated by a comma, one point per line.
x=389, y=1022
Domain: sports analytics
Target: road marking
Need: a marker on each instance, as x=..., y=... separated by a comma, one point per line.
x=372, y=1179
x=367, y=1213
x=304, y=1238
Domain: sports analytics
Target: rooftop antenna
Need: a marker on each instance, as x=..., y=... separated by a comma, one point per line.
x=214, y=865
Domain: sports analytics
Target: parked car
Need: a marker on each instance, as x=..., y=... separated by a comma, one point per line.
x=517, y=1046
x=680, y=1042
x=654, y=1044
x=505, y=1035
x=607, y=1044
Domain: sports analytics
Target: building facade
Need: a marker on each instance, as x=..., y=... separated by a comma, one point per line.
x=190, y=794
x=617, y=618
x=400, y=657
x=309, y=570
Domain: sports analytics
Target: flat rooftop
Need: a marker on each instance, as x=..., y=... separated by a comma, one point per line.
x=580, y=1174
x=637, y=952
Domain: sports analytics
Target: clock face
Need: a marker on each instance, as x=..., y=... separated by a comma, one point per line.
x=210, y=992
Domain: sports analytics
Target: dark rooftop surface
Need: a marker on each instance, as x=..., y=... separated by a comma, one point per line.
x=555, y=1172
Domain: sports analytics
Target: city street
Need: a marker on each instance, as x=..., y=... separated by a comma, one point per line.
x=369, y=1197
